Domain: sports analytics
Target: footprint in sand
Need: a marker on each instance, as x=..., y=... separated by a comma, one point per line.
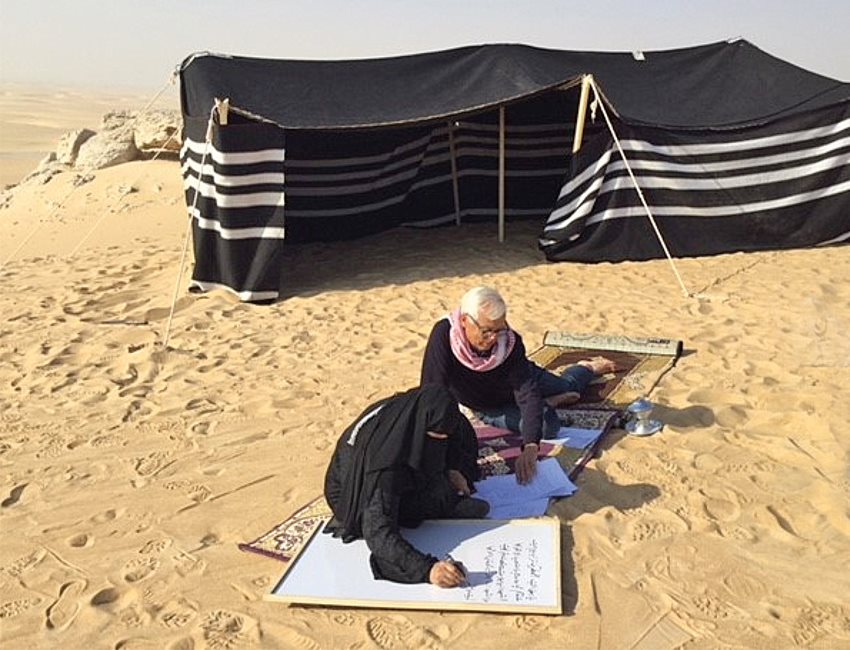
x=529, y=623
x=822, y=620
x=106, y=515
x=147, y=465
x=176, y=614
x=710, y=606
x=298, y=641
x=155, y=546
x=744, y=586
x=653, y=528
x=399, y=633
x=186, y=564
x=140, y=568
x=223, y=629
x=721, y=505
x=16, y=607
x=25, y=563
x=739, y=533
x=14, y=496
x=63, y=612
x=105, y=597
x=133, y=616
x=81, y=540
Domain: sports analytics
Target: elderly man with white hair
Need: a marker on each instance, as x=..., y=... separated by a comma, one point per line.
x=482, y=361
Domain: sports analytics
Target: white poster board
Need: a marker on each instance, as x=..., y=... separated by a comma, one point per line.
x=512, y=566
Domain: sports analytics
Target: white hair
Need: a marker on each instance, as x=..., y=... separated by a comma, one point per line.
x=484, y=300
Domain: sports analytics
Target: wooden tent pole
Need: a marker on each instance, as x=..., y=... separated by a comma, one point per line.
x=582, y=112
x=455, y=184
x=501, y=173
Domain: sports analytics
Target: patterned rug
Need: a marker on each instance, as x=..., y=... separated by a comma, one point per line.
x=498, y=449
x=497, y=453
x=285, y=541
x=641, y=363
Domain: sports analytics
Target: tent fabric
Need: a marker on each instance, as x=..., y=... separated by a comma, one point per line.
x=329, y=150
x=237, y=217
x=262, y=187
x=715, y=85
x=782, y=185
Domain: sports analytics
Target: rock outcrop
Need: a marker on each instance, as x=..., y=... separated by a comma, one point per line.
x=123, y=136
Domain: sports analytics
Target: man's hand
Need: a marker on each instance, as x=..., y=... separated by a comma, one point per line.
x=526, y=464
x=447, y=574
x=458, y=482
x=599, y=365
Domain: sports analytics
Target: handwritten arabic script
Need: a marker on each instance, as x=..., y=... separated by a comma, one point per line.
x=513, y=571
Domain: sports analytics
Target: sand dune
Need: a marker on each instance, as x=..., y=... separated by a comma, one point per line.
x=130, y=472
x=33, y=118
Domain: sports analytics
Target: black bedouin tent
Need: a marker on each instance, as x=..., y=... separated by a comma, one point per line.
x=732, y=148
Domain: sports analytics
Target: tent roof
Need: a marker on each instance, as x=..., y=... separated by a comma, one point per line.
x=725, y=84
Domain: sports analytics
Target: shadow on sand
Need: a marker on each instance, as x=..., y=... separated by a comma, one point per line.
x=407, y=255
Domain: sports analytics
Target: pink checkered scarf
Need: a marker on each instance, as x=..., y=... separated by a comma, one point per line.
x=465, y=353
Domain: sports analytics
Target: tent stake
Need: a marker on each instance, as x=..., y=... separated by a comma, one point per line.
x=501, y=173
x=598, y=99
x=455, y=185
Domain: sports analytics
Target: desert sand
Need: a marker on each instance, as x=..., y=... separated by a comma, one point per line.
x=130, y=472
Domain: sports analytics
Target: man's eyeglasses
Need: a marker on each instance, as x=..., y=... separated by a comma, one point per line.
x=486, y=332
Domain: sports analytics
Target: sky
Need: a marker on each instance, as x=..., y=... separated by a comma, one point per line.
x=137, y=44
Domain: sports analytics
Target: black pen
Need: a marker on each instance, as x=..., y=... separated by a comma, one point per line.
x=460, y=566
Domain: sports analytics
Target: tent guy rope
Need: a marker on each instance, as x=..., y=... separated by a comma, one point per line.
x=207, y=142
x=172, y=79
x=598, y=100
x=118, y=200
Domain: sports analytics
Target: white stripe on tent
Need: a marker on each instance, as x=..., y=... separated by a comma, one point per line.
x=590, y=172
x=394, y=200
x=245, y=158
x=430, y=159
x=689, y=183
x=710, y=211
x=427, y=157
x=835, y=240
x=684, y=184
x=254, y=232
x=233, y=180
x=738, y=163
x=258, y=199
x=252, y=200
x=232, y=158
x=245, y=296
x=343, y=190
x=737, y=145
x=580, y=205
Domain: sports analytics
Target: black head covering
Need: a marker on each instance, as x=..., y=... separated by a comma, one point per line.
x=391, y=435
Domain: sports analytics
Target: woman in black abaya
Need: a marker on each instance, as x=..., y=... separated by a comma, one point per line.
x=407, y=458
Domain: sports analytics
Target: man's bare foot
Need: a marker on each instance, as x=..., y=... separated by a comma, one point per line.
x=599, y=365
x=563, y=399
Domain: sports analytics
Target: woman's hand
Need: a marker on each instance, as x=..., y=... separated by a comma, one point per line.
x=458, y=482
x=447, y=574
